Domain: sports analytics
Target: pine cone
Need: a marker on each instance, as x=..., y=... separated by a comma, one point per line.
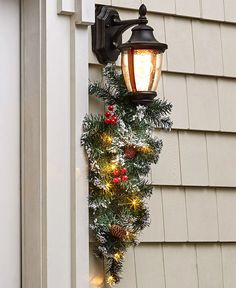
x=130, y=152
x=117, y=231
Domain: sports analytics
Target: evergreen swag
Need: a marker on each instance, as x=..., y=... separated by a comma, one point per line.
x=120, y=147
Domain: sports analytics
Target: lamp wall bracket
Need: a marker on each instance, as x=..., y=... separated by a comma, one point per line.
x=107, y=32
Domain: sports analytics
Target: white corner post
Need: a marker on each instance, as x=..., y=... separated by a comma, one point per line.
x=33, y=143
x=79, y=107
x=55, y=233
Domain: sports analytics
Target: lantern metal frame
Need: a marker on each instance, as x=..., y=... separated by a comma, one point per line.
x=107, y=40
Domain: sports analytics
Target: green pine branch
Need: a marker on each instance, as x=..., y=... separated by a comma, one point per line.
x=128, y=143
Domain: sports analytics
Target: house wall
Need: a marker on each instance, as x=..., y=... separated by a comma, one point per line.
x=192, y=238
x=191, y=241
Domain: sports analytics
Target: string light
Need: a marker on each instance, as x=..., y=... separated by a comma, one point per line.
x=146, y=149
x=111, y=280
x=108, y=168
x=118, y=256
x=106, y=138
x=135, y=202
x=108, y=186
x=113, y=166
x=129, y=236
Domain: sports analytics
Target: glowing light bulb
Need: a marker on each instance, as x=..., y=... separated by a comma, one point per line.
x=146, y=149
x=129, y=236
x=111, y=280
x=113, y=166
x=106, y=138
x=135, y=202
x=117, y=256
x=108, y=186
x=110, y=167
x=143, y=68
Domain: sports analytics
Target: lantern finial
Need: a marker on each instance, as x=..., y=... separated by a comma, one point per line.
x=142, y=11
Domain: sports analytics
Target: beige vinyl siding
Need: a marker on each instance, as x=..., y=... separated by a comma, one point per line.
x=173, y=265
x=191, y=241
x=216, y=10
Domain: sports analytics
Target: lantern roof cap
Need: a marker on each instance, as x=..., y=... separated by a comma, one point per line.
x=142, y=36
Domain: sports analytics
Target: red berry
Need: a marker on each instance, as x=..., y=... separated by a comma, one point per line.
x=110, y=107
x=113, y=121
x=116, y=179
x=116, y=173
x=108, y=121
x=123, y=170
x=125, y=178
x=108, y=114
x=114, y=117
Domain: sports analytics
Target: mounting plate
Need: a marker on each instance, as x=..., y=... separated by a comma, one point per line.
x=103, y=33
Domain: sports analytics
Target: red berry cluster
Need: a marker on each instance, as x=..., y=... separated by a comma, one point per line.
x=111, y=118
x=120, y=175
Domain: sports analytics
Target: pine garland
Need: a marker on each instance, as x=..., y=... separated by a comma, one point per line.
x=120, y=147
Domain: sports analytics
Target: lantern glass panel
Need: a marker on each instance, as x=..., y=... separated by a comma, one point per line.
x=141, y=69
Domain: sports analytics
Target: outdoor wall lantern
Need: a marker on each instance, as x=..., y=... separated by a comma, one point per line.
x=141, y=55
